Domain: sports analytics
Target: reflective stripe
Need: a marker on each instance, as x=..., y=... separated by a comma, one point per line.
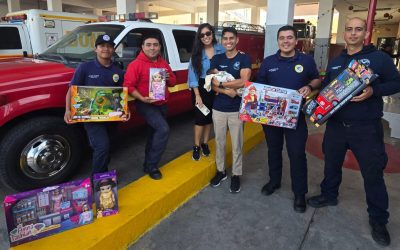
x=68, y=18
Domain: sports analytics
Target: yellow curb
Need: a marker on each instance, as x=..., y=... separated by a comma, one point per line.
x=145, y=202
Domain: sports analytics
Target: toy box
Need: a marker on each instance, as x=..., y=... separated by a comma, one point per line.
x=270, y=105
x=345, y=86
x=97, y=104
x=38, y=213
x=105, y=196
x=157, y=83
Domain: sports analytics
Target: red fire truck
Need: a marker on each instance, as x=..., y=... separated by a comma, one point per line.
x=305, y=35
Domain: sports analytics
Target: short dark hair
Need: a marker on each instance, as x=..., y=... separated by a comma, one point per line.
x=285, y=28
x=151, y=35
x=229, y=29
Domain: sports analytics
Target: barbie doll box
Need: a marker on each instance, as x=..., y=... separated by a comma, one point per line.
x=270, y=105
x=41, y=212
x=157, y=83
x=105, y=196
x=98, y=104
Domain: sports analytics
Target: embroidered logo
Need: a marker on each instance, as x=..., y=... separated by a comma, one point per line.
x=298, y=68
x=336, y=67
x=93, y=76
x=106, y=38
x=273, y=69
x=236, y=65
x=115, y=77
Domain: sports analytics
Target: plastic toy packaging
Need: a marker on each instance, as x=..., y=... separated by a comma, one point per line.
x=157, y=83
x=270, y=105
x=98, y=104
x=339, y=92
x=42, y=212
x=106, y=198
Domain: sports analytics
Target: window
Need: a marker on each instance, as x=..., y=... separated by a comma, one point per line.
x=184, y=40
x=10, y=38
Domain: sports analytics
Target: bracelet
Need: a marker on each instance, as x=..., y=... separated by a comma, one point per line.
x=311, y=87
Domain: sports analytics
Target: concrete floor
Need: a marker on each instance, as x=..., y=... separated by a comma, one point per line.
x=217, y=219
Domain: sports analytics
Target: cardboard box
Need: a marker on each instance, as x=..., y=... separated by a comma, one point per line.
x=270, y=105
x=339, y=92
x=98, y=104
x=157, y=84
x=105, y=194
x=42, y=212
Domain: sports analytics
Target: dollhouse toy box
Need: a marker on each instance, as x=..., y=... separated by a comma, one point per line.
x=98, y=104
x=42, y=212
x=270, y=105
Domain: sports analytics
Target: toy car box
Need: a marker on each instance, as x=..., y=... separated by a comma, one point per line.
x=270, y=105
x=105, y=194
x=345, y=86
x=98, y=104
x=38, y=213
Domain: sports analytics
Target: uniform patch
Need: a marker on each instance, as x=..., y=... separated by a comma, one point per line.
x=115, y=77
x=236, y=65
x=298, y=68
x=106, y=38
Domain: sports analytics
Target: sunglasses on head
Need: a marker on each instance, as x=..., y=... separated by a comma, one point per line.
x=208, y=33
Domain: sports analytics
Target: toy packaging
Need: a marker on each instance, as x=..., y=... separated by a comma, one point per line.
x=157, y=83
x=38, y=213
x=105, y=186
x=345, y=86
x=203, y=109
x=98, y=104
x=270, y=105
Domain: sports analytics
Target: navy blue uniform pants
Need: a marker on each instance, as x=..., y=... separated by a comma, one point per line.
x=296, y=145
x=98, y=134
x=365, y=140
x=157, y=135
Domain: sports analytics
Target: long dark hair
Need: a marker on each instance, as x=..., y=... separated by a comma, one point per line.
x=198, y=47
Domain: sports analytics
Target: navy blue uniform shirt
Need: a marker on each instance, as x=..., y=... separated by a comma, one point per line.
x=388, y=83
x=291, y=73
x=222, y=102
x=94, y=74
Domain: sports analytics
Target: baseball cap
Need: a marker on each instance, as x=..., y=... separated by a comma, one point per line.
x=104, y=39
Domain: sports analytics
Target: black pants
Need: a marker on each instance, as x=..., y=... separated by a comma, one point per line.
x=365, y=140
x=296, y=145
x=98, y=134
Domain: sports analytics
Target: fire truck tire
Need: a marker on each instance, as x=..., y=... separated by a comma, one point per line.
x=334, y=103
x=39, y=152
x=319, y=116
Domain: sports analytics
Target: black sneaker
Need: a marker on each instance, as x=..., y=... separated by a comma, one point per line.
x=321, y=201
x=379, y=233
x=204, y=149
x=196, y=153
x=235, y=184
x=218, y=178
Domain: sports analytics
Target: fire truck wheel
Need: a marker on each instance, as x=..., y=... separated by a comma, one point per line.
x=39, y=152
x=319, y=116
x=334, y=103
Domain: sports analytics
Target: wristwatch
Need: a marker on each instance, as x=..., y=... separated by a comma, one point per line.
x=311, y=87
x=220, y=85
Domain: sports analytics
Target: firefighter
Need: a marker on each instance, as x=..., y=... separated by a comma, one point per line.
x=289, y=68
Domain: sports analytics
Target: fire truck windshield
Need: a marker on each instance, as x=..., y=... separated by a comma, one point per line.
x=78, y=45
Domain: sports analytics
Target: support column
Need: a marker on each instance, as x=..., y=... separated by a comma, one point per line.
x=54, y=5
x=98, y=12
x=255, y=15
x=13, y=5
x=126, y=6
x=143, y=7
x=322, y=40
x=341, y=27
x=212, y=12
x=192, y=18
x=279, y=13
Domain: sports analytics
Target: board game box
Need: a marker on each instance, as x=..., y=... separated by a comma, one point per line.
x=334, y=96
x=270, y=105
x=157, y=83
x=98, y=104
x=42, y=212
x=105, y=195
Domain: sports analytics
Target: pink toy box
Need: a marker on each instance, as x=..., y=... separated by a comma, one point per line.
x=41, y=212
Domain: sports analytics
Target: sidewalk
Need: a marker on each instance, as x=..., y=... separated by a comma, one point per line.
x=217, y=219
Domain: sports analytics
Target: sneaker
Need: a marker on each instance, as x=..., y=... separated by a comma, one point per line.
x=321, y=201
x=204, y=149
x=196, y=153
x=379, y=233
x=218, y=178
x=235, y=184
